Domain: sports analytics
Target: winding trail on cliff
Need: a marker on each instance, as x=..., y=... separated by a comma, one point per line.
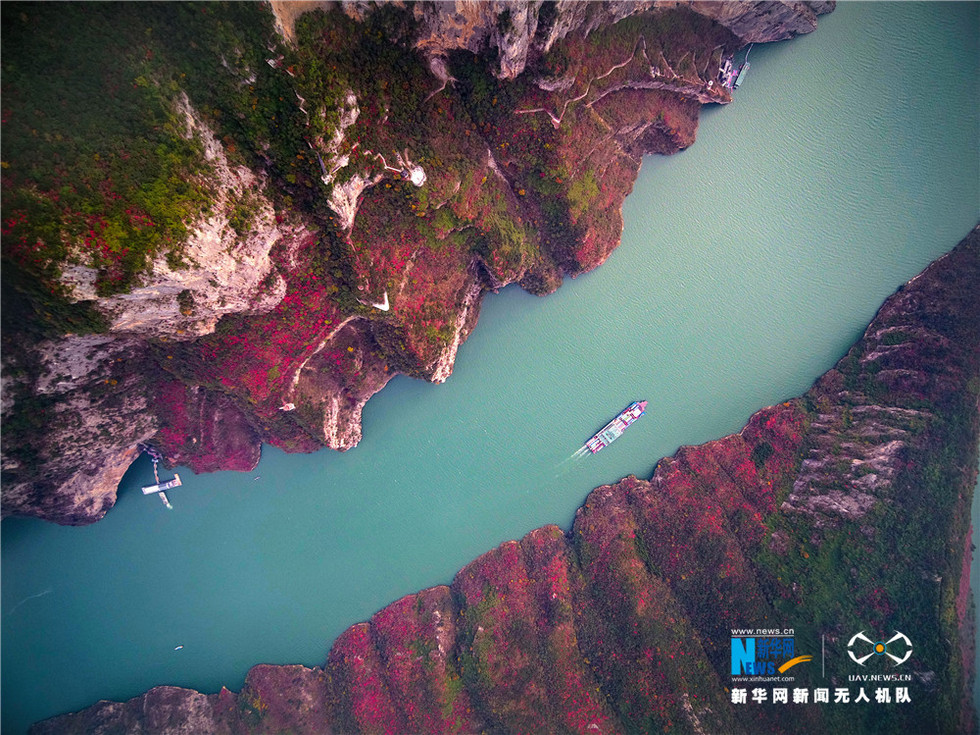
x=319, y=348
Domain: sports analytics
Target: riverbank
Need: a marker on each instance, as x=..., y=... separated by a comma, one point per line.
x=966, y=617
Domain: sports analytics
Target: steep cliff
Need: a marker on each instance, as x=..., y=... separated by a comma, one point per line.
x=230, y=216
x=841, y=510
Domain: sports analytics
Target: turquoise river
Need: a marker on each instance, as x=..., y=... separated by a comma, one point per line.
x=749, y=264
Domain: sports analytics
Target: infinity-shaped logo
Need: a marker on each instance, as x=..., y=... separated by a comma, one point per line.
x=880, y=648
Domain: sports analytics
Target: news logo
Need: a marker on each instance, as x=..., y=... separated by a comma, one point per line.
x=764, y=653
x=859, y=651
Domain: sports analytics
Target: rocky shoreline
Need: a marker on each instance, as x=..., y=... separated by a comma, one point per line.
x=966, y=622
x=849, y=503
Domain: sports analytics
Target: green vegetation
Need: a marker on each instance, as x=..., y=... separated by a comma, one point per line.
x=760, y=453
x=897, y=568
x=473, y=652
x=895, y=338
x=336, y=55
x=185, y=300
x=243, y=213
x=95, y=160
x=32, y=310
x=30, y=418
x=98, y=163
x=582, y=194
x=489, y=101
x=218, y=53
x=454, y=686
x=251, y=708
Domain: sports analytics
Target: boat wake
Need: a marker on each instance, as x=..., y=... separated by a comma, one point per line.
x=29, y=597
x=578, y=454
x=565, y=465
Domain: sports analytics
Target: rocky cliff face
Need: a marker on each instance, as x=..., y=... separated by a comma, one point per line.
x=240, y=234
x=222, y=269
x=848, y=504
x=526, y=29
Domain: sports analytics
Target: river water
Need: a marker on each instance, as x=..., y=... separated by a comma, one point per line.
x=749, y=264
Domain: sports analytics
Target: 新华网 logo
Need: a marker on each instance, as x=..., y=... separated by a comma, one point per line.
x=764, y=655
x=860, y=648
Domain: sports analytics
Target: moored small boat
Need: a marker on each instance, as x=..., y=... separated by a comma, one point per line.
x=161, y=486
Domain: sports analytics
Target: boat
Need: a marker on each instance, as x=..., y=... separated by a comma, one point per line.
x=615, y=428
x=161, y=486
x=742, y=71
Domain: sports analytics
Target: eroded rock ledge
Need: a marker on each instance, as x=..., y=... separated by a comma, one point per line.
x=850, y=503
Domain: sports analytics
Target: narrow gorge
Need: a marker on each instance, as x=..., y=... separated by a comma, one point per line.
x=861, y=486
x=227, y=226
